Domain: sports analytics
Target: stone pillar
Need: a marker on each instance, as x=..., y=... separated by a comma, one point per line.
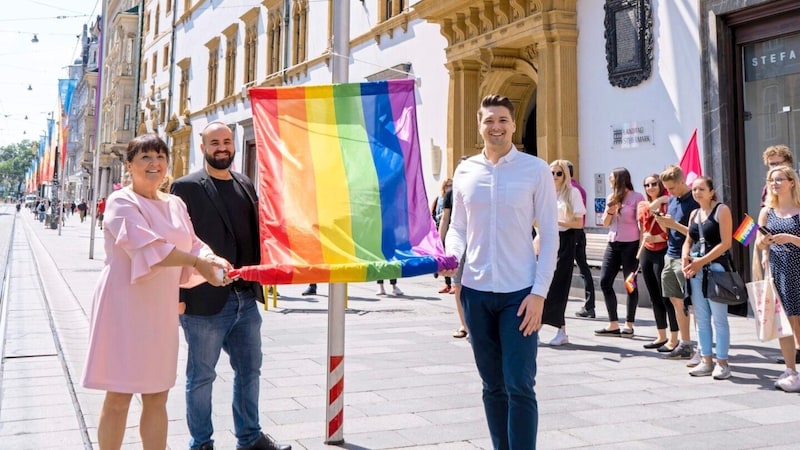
x=557, y=96
x=463, y=103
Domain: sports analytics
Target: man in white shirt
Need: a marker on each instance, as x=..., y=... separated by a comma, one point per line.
x=497, y=196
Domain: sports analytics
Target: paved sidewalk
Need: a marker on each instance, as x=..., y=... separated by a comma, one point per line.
x=408, y=383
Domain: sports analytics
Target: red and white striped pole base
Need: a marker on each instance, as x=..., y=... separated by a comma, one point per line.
x=334, y=415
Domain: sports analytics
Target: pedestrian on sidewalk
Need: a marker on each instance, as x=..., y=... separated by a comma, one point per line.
x=587, y=310
x=570, y=218
x=781, y=217
x=440, y=210
x=101, y=211
x=651, y=262
x=133, y=340
x=223, y=207
x=82, y=208
x=680, y=204
x=623, y=244
x=503, y=284
x=706, y=249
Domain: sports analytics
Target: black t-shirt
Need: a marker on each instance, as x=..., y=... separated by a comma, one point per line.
x=241, y=216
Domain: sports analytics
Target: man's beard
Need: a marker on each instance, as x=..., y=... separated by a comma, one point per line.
x=219, y=164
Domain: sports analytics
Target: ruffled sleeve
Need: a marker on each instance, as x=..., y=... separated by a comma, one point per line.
x=131, y=232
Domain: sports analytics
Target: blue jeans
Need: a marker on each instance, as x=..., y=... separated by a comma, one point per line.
x=506, y=362
x=705, y=310
x=237, y=330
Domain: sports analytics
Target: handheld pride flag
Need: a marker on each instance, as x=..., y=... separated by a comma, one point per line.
x=746, y=231
x=341, y=194
x=630, y=281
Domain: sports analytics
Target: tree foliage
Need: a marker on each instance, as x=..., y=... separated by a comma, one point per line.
x=15, y=160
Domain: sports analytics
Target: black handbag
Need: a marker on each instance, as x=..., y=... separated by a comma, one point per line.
x=726, y=287
x=722, y=287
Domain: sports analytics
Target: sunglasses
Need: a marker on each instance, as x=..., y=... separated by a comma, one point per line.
x=558, y=173
x=649, y=185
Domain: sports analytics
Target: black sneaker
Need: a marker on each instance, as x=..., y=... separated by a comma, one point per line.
x=585, y=313
x=680, y=352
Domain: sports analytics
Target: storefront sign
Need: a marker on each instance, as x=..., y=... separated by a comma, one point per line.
x=773, y=58
x=633, y=134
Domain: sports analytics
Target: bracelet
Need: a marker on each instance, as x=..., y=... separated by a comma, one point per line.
x=609, y=214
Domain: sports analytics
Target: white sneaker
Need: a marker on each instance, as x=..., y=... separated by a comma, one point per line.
x=381, y=291
x=396, y=291
x=790, y=383
x=786, y=373
x=560, y=338
x=703, y=369
x=694, y=361
x=722, y=372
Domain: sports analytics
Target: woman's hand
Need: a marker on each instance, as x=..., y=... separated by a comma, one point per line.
x=691, y=266
x=210, y=267
x=780, y=238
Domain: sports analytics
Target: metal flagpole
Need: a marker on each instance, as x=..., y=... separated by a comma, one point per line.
x=98, y=134
x=337, y=292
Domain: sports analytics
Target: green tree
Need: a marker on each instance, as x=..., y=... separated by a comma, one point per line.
x=15, y=160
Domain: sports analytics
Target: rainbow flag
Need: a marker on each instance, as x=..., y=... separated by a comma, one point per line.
x=630, y=281
x=746, y=231
x=341, y=193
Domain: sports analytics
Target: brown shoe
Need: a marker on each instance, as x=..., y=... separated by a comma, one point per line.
x=460, y=333
x=445, y=290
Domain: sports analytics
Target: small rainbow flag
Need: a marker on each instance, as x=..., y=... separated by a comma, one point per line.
x=341, y=193
x=746, y=231
x=630, y=281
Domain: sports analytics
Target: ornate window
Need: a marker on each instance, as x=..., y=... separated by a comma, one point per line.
x=390, y=8
x=213, y=70
x=183, y=85
x=299, y=31
x=230, y=58
x=165, y=57
x=274, y=32
x=156, y=20
x=250, y=44
x=629, y=41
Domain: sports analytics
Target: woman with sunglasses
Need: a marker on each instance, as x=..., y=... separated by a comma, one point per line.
x=781, y=217
x=651, y=263
x=570, y=217
x=623, y=244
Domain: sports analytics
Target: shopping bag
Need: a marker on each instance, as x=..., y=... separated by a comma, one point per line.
x=771, y=320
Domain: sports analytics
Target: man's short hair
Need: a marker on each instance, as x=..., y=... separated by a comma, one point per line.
x=672, y=173
x=496, y=100
x=779, y=150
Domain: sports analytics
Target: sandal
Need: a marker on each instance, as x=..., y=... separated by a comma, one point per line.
x=460, y=334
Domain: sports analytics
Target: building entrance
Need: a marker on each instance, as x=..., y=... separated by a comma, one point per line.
x=771, y=100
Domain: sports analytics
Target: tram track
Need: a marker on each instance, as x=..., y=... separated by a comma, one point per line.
x=36, y=380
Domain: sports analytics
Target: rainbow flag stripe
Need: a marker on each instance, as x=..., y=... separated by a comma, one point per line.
x=630, y=282
x=342, y=198
x=746, y=231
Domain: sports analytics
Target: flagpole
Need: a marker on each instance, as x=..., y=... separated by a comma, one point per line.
x=337, y=292
x=98, y=103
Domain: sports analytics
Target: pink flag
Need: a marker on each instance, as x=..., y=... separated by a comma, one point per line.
x=690, y=162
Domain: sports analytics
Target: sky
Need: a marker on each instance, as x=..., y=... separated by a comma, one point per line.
x=56, y=24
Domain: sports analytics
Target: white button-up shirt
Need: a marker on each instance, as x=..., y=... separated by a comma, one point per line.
x=494, y=207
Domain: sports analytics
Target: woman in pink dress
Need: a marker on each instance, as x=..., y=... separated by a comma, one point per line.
x=151, y=250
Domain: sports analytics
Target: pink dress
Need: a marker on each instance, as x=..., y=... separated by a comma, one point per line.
x=133, y=340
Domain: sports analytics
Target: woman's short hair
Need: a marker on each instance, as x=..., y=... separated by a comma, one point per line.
x=146, y=143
